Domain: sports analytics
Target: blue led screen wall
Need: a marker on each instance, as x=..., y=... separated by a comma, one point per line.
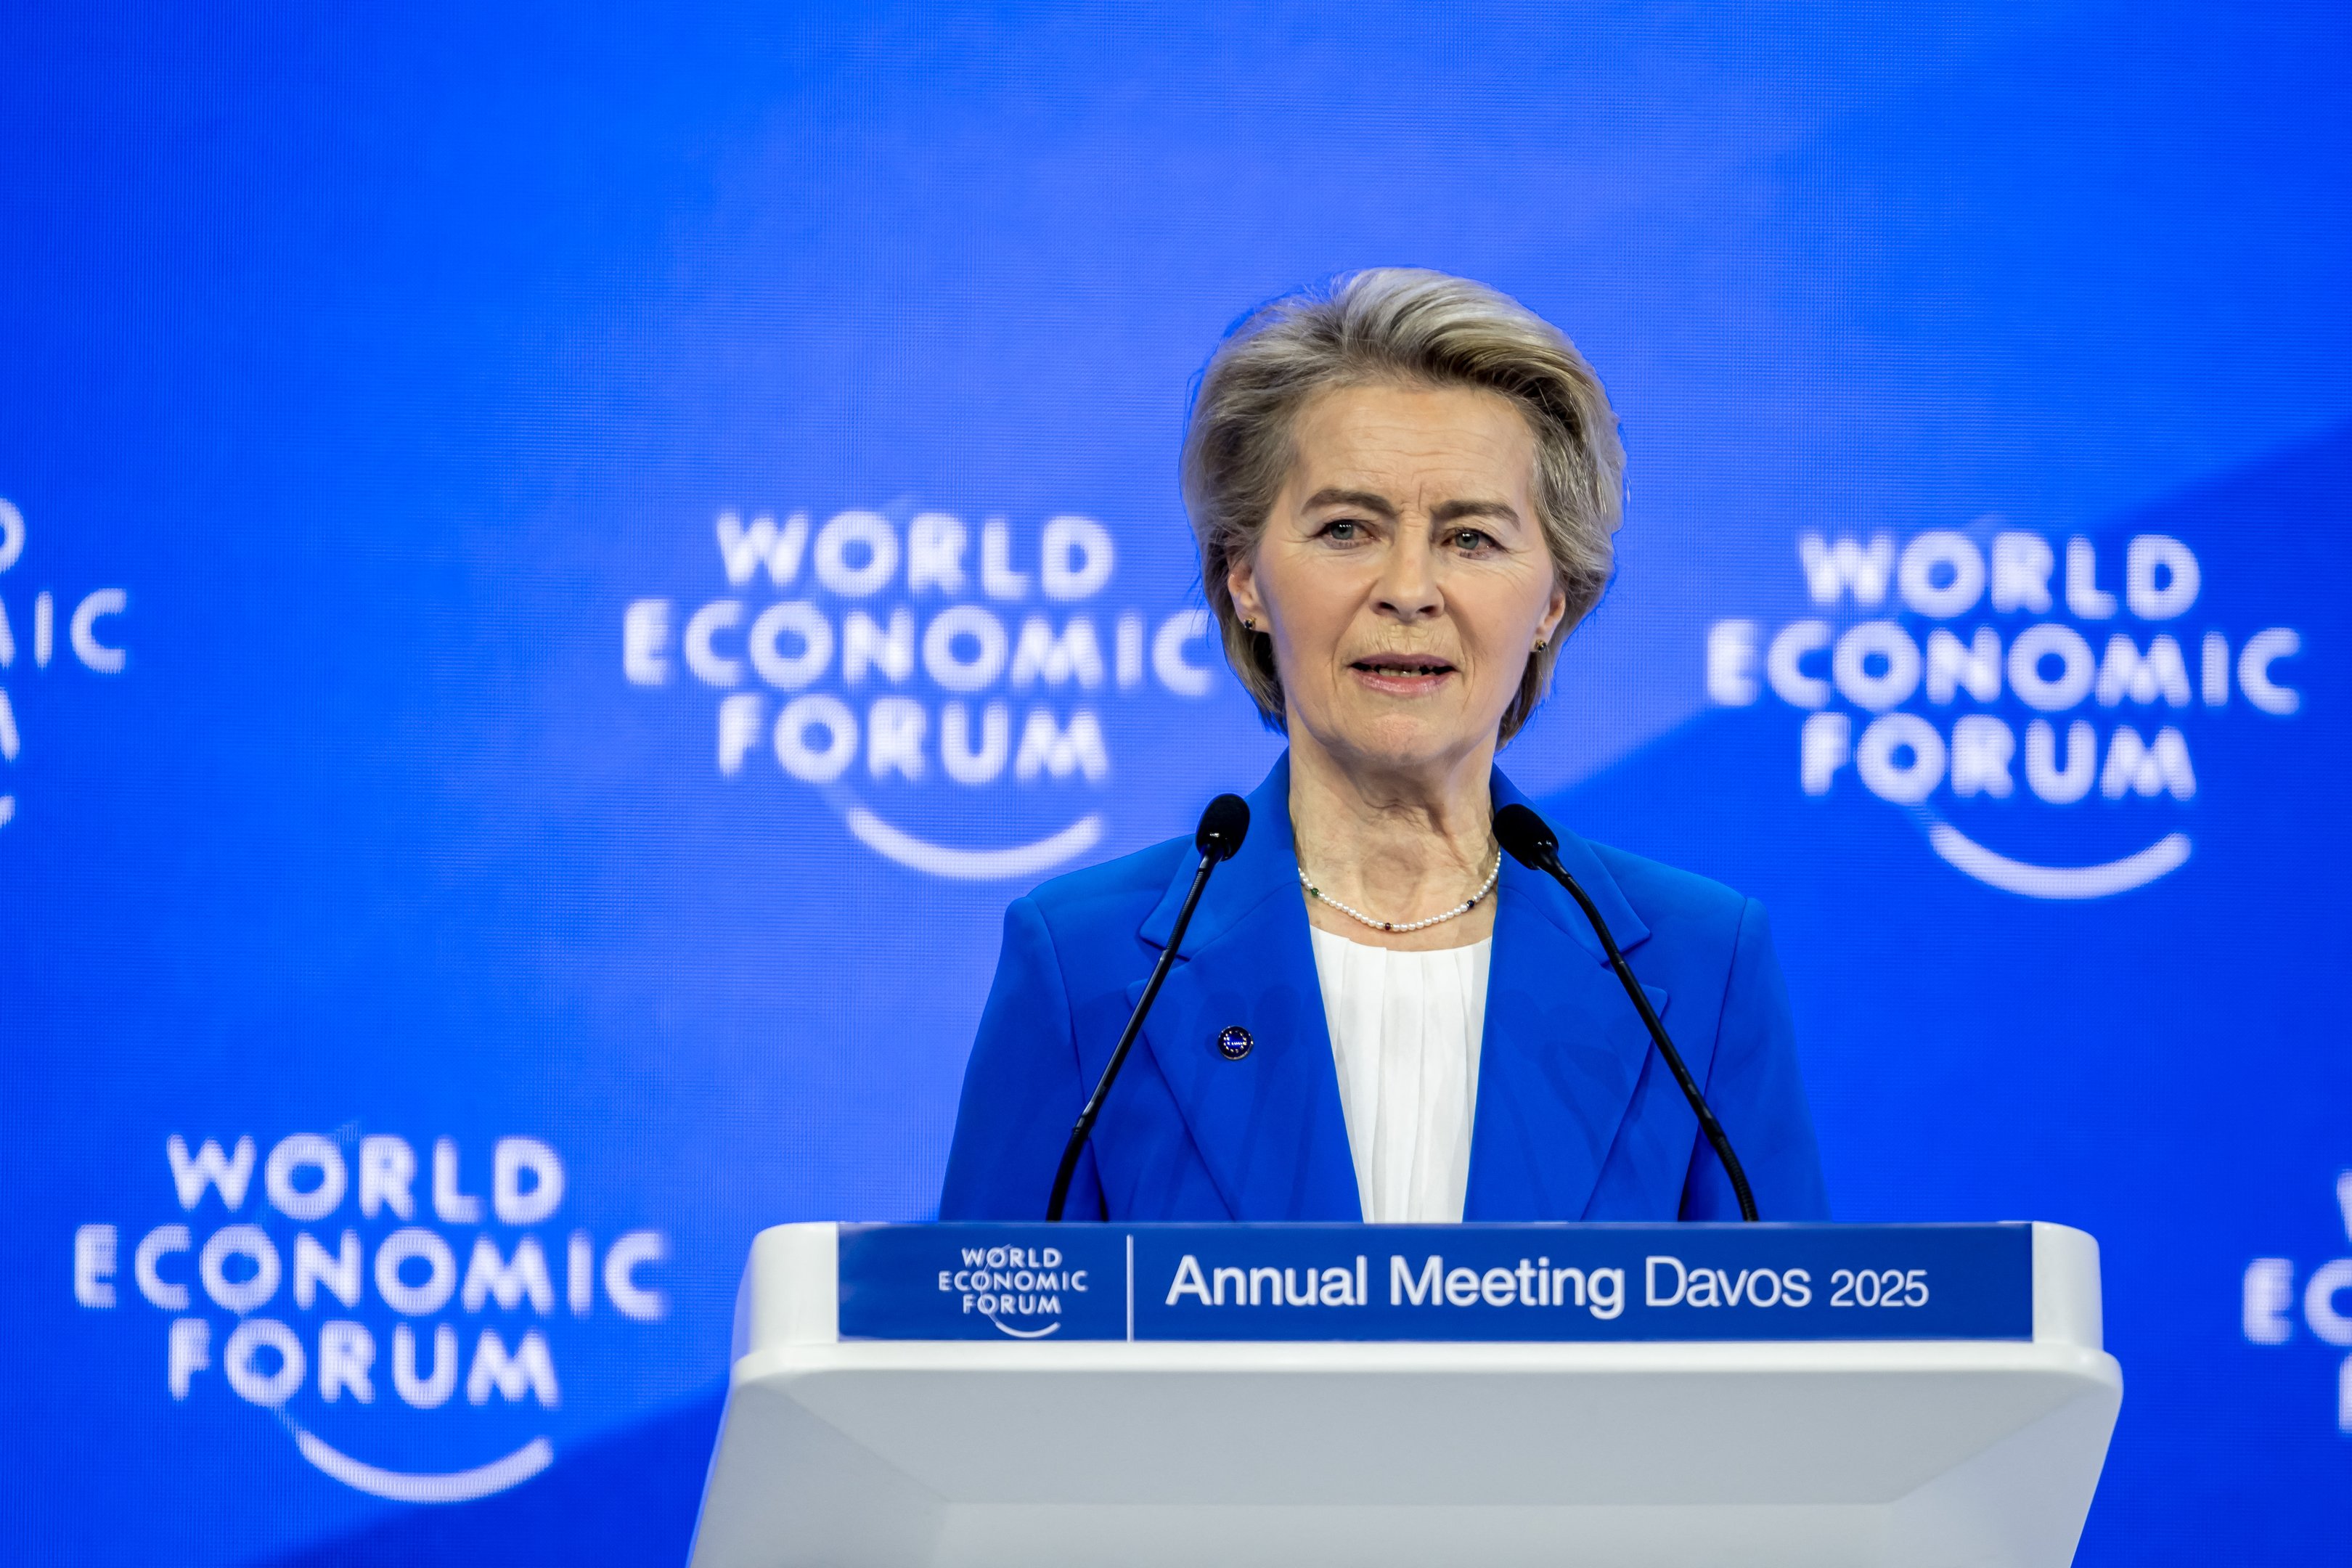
x=560, y=567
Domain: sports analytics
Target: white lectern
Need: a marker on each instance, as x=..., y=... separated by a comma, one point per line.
x=1152, y=1395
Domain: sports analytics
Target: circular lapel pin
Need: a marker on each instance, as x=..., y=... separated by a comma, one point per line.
x=1233, y=1042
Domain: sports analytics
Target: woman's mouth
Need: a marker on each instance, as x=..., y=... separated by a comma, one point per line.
x=1401, y=674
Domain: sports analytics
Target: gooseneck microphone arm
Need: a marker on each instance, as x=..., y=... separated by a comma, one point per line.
x=1533, y=845
x=1220, y=833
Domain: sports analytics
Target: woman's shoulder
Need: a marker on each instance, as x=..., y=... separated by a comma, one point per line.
x=1676, y=903
x=1112, y=895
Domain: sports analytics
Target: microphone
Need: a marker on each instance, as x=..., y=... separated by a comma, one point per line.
x=1532, y=844
x=1222, y=826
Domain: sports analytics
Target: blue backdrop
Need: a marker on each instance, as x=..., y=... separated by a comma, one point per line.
x=560, y=568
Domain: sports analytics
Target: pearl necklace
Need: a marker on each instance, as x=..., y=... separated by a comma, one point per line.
x=1459, y=909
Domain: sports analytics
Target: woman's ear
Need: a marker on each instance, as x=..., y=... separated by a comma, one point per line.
x=1547, y=629
x=1241, y=582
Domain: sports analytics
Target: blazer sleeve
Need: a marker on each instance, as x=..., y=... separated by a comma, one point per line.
x=1758, y=1094
x=1021, y=1090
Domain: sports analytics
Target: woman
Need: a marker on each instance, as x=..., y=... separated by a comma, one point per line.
x=1404, y=488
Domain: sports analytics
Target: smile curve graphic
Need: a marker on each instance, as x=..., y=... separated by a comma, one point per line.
x=972, y=865
x=1022, y=1333
x=2166, y=855
x=398, y=1486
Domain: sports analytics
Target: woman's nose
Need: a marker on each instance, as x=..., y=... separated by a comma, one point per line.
x=1408, y=583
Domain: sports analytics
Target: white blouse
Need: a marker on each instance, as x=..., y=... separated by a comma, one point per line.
x=1405, y=1031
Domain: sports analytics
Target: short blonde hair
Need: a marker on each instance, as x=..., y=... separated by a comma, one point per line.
x=1422, y=329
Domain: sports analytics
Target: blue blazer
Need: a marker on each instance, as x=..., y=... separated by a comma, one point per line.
x=1577, y=1117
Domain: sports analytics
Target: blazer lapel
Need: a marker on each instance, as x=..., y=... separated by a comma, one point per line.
x=1269, y=1127
x=1563, y=1050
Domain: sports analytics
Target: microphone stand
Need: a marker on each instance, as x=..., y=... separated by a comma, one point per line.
x=1222, y=828
x=1539, y=850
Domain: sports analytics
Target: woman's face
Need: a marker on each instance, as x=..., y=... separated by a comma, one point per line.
x=1402, y=575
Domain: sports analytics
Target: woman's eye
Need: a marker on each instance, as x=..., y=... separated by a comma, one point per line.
x=1470, y=539
x=1343, y=531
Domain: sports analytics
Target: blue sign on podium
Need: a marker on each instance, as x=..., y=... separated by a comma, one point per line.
x=1465, y=1282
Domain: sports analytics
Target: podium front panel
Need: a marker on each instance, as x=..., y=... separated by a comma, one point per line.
x=1538, y=1393
x=1446, y=1284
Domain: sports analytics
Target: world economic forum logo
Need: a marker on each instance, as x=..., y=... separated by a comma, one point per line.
x=86, y=618
x=907, y=668
x=2271, y=1299
x=2033, y=699
x=375, y=1299
x=1018, y=1289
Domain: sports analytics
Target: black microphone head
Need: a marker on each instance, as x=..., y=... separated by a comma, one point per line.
x=1222, y=826
x=1528, y=838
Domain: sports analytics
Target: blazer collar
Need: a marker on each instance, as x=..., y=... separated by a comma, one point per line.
x=1266, y=863
x=1269, y=1127
x=1537, y=890
x=1562, y=1054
